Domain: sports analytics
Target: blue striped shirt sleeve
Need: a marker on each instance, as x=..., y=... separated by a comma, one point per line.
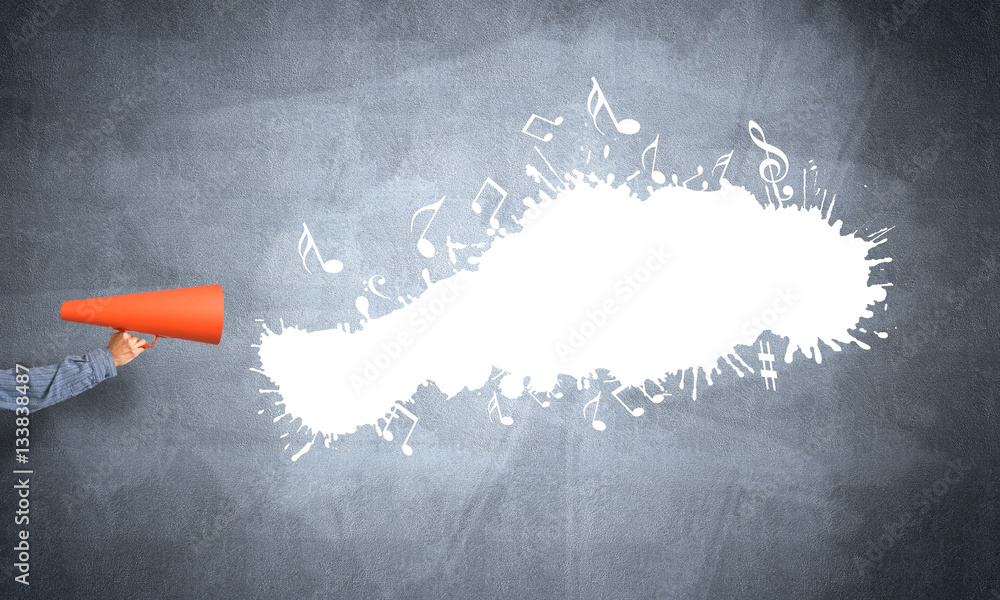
x=55, y=383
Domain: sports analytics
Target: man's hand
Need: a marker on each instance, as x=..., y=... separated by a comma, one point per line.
x=124, y=347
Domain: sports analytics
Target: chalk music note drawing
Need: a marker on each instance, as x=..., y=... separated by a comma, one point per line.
x=330, y=266
x=596, y=101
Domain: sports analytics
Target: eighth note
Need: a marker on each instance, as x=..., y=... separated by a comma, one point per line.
x=724, y=163
x=424, y=246
x=478, y=208
x=596, y=101
x=597, y=424
x=548, y=136
x=330, y=266
x=657, y=176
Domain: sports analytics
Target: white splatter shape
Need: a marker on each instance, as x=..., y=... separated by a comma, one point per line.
x=597, y=278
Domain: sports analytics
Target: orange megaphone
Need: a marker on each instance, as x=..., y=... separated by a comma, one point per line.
x=194, y=313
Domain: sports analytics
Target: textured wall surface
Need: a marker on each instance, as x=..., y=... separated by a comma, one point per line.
x=159, y=144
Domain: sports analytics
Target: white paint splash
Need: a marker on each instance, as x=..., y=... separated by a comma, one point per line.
x=597, y=278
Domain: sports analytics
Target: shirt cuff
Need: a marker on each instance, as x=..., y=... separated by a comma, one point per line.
x=103, y=364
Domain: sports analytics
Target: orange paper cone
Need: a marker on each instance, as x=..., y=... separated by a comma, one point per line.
x=194, y=313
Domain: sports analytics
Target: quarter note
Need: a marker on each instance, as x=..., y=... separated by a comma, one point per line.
x=657, y=176
x=596, y=101
x=478, y=208
x=495, y=405
x=424, y=246
x=547, y=136
x=330, y=266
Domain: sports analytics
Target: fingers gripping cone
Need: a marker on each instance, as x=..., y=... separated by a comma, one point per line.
x=194, y=313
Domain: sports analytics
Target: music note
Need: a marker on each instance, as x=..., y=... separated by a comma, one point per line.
x=495, y=405
x=548, y=136
x=635, y=412
x=540, y=403
x=549, y=165
x=330, y=266
x=535, y=174
x=657, y=176
x=767, y=367
x=656, y=398
x=478, y=208
x=704, y=184
x=724, y=163
x=371, y=286
x=771, y=170
x=596, y=101
x=424, y=246
x=387, y=435
x=598, y=425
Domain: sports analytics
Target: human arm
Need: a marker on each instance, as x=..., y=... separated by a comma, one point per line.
x=76, y=374
x=54, y=383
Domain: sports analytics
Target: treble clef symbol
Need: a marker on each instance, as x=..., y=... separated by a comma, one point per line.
x=771, y=170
